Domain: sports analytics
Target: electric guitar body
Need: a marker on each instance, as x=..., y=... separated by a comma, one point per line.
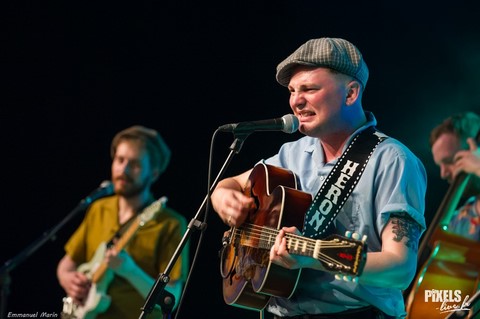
x=97, y=270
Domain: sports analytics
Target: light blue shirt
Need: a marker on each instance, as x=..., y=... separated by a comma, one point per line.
x=393, y=181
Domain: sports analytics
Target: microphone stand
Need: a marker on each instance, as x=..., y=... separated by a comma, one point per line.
x=157, y=293
x=9, y=265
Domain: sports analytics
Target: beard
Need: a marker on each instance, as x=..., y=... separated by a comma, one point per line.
x=129, y=188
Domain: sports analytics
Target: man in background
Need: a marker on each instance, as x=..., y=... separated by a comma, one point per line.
x=139, y=157
x=455, y=150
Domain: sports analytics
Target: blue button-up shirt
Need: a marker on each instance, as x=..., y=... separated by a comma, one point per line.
x=393, y=181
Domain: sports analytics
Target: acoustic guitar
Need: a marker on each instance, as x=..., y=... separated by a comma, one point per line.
x=97, y=270
x=249, y=278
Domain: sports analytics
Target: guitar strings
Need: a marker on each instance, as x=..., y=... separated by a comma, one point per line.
x=263, y=233
x=266, y=237
x=310, y=248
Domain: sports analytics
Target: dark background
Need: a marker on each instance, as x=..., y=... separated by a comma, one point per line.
x=76, y=72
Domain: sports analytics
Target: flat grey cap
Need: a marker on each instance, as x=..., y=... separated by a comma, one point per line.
x=334, y=53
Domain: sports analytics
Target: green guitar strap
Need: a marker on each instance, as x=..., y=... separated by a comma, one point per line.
x=340, y=183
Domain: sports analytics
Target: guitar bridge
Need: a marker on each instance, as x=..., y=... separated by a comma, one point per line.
x=68, y=310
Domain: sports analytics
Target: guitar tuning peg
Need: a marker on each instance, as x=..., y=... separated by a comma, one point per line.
x=348, y=234
x=355, y=279
x=364, y=238
x=338, y=277
x=347, y=278
x=355, y=236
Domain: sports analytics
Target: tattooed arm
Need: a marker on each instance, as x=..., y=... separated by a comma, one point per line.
x=395, y=265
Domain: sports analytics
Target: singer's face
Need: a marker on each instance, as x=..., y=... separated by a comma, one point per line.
x=317, y=96
x=443, y=151
x=131, y=169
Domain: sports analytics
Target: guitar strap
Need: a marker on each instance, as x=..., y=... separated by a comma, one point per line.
x=340, y=183
x=119, y=233
x=123, y=227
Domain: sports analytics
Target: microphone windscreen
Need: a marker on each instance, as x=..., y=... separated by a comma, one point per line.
x=291, y=123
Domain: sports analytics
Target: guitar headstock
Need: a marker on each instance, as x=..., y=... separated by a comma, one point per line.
x=343, y=255
x=152, y=210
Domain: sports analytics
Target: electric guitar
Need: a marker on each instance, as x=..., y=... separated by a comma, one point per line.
x=97, y=270
x=249, y=278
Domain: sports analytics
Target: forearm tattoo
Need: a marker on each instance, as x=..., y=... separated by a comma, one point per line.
x=405, y=226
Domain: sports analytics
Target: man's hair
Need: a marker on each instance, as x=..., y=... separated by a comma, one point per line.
x=156, y=147
x=463, y=125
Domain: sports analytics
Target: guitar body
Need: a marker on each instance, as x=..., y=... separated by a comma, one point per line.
x=249, y=278
x=280, y=204
x=252, y=278
x=97, y=300
x=101, y=276
x=238, y=291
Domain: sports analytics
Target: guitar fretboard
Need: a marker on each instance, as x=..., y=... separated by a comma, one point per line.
x=335, y=254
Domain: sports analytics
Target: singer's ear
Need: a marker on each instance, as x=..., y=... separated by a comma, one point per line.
x=353, y=92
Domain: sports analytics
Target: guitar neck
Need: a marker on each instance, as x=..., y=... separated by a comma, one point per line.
x=265, y=239
x=336, y=253
x=119, y=245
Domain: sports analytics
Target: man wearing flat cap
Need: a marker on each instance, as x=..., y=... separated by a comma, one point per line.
x=359, y=181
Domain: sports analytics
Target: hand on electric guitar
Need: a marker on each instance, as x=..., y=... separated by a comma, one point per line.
x=76, y=284
x=120, y=262
x=83, y=303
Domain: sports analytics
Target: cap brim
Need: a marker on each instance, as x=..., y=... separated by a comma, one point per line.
x=285, y=72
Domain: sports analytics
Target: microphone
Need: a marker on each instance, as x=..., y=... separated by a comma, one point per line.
x=288, y=123
x=105, y=189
